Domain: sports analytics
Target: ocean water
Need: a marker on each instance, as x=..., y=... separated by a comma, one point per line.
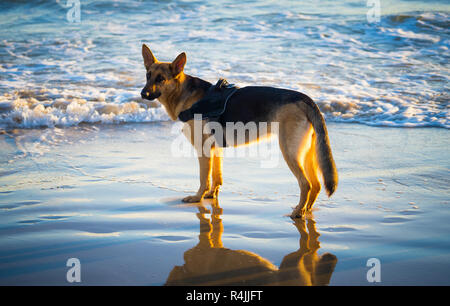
x=390, y=72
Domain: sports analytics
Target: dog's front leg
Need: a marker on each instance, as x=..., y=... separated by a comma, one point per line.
x=216, y=174
x=205, y=180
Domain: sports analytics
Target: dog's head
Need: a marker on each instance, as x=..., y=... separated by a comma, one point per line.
x=163, y=78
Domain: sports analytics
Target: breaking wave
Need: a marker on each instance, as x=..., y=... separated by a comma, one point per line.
x=391, y=73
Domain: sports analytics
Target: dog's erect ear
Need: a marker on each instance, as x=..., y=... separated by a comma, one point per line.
x=178, y=64
x=148, y=56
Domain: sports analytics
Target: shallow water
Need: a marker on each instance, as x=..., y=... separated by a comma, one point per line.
x=393, y=72
x=109, y=196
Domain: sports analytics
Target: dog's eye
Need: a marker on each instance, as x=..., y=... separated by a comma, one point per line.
x=159, y=79
x=148, y=75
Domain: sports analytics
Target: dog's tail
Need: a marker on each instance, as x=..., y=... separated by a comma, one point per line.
x=323, y=148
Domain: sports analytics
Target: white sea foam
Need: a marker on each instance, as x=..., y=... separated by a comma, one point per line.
x=393, y=73
x=29, y=112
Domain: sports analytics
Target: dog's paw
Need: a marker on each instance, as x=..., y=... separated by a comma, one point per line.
x=192, y=199
x=211, y=195
x=298, y=214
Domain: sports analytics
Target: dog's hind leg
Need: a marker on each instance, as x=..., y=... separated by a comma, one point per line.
x=311, y=167
x=216, y=173
x=295, y=141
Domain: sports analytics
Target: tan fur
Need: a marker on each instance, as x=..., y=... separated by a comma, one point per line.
x=174, y=96
x=303, y=136
x=217, y=180
x=295, y=139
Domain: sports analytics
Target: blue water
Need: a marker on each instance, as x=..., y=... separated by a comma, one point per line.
x=390, y=72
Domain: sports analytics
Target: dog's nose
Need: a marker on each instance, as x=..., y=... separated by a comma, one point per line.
x=144, y=94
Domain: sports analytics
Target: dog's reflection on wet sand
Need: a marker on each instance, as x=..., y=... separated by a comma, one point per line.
x=210, y=263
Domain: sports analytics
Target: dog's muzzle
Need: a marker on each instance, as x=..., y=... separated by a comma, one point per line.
x=145, y=94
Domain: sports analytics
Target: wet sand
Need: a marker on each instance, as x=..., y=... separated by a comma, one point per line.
x=110, y=195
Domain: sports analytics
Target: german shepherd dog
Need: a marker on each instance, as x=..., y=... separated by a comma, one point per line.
x=302, y=133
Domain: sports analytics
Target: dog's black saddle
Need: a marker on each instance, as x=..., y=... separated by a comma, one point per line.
x=213, y=104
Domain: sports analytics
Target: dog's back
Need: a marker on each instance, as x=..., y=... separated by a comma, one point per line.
x=259, y=103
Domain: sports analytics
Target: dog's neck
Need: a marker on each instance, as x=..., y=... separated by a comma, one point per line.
x=191, y=90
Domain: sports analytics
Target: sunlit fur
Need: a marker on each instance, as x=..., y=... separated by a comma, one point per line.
x=174, y=95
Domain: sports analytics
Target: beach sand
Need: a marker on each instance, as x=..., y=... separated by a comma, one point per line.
x=110, y=195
